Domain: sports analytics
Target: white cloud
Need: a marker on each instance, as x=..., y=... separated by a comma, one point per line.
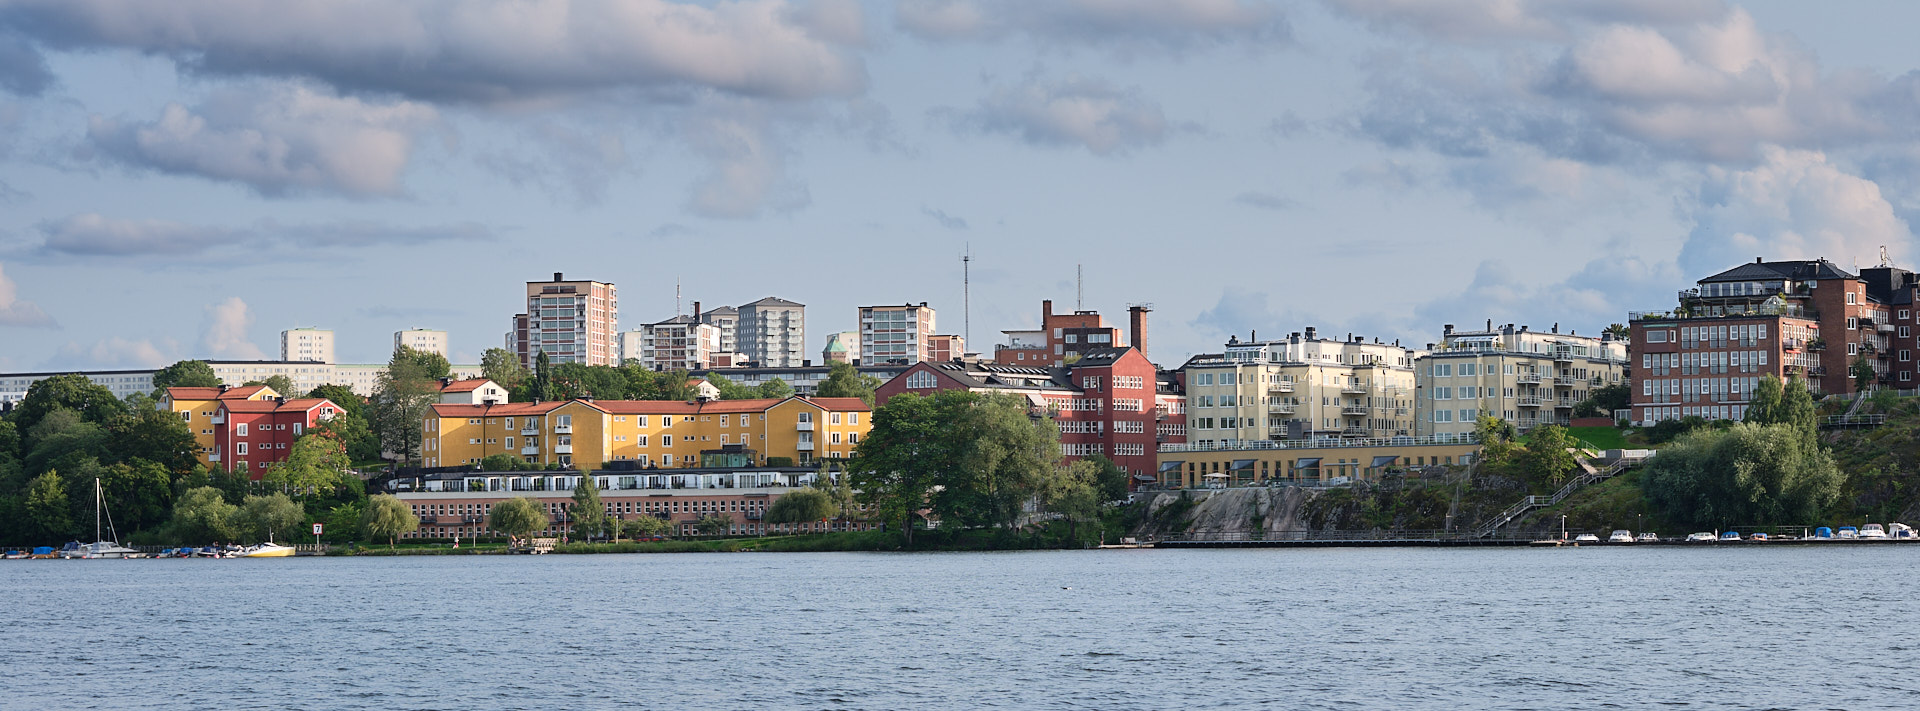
x=1793, y=205
x=1124, y=25
x=1081, y=112
x=225, y=333
x=15, y=311
x=485, y=51
x=279, y=139
x=747, y=166
x=114, y=352
x=1496, y=20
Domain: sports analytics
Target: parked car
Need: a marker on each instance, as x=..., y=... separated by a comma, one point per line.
x=1621, y=536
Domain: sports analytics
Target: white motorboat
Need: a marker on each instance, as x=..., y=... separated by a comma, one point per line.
x=264, y=550
x=1847, y=533
x=102, y=547
x=1648, y=537
x=1621, y=536
x=1702, y=537
x=1872, y=532
x=1901, y=532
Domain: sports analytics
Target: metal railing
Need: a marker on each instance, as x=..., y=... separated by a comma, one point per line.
x=1533, y=502
x=1317, y=443
x=1301, y=534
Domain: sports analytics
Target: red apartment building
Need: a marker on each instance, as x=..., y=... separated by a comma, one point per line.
x=251, y=434
x=1112, y=401
x=1064, y=335
x=1805, y=319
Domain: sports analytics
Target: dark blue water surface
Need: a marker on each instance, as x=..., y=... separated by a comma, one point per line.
x=1792, y=627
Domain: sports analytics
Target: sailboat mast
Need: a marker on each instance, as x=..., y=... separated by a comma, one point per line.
x=97, y=499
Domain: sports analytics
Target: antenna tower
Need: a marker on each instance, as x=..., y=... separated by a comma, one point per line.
x=966, y=293
x=1079, y=287
x=676, y=297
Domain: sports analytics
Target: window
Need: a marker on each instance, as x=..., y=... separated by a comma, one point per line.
x=1852, y=298
x=296, y=429
x=835, y=416
x=240, y=448
x=240, y=429
x=640, y=421
x=666, y=441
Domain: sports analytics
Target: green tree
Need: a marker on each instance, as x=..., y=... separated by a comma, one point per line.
x=1109, y=479
x=801, y=506
x=1602, y=401
x=517, y=517
x=1767, y=404
x=640, y=381
x=1004, y=458
x=1747, y=474
x=343, y=522
x=502, y=366
x=156, y=436
x=350, y=428
x=280, y=384
x=1498, y=448
x=503, y=463
x=1548, y=456
x=49, y=511
x=404, y=394
x=202, y=515
x=1861, y=370
x=185, y=374
x=844, y=380
x=386, y=516
x=317, y=467
x=139, y=493
x=542, y=382
x=730, y=390
x=61, y=435
x=590, y=519
x=839, y=490
x=676, y=384
x=273, y=517
x=1074, y=493
x=1619, y=331
x=646, y=527
x=897, y=464
x=1798, y=410
x=712, y=525
x=342, y=396
x=94, y=403
x=775, y=389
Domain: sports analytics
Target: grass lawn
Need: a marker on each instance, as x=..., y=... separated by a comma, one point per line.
x=1602, y=437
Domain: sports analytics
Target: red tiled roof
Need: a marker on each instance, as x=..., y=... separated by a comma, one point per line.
x=259, y=406
x=464, y=386
x=186, y=393
x=503, y=410
x=242, y=393
x=841, y=403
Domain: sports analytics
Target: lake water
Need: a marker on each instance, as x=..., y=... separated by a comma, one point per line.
x=1795, y=627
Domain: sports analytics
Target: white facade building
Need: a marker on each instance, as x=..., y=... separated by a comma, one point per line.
x=1526, y=377
x=772, y=333
x=312, y=345
x=1301, y=387
x=422, y=339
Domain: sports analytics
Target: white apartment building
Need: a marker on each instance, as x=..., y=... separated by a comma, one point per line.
x=14, y=386
x=725, y=318
x=422, y=339
x=1301, y=387
x=1526, y=377
x=895, y=335
x=311, y=345
x=676, y=343
x=772, y=333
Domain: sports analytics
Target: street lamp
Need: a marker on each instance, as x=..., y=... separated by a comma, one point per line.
x=1563, y=527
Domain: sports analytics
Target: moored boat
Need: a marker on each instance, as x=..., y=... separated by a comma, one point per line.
x=1872, y=532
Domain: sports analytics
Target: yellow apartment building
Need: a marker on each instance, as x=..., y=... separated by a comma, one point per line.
x=588, y=434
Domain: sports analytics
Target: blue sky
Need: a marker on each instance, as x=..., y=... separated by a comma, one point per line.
x=186, y=179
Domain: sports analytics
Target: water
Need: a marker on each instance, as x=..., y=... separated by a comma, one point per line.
x=1796, y=627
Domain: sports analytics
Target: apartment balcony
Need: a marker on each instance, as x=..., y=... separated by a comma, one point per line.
x=1563, y=381
x=213, y=457
x=530, y=449
x=1529, y=402
x=1564, y=404
x=1355, y=432
x=1353, y=389
x=1356, y=411
x=1562, y=355
x=804, y=446
x=218, y=419
x=1530, y=378
x=529, y=430
x=1280, y=409
x=803, y=427
x=1280, y=387
x=1885, y=328
x=563, y=449
x=563, y=429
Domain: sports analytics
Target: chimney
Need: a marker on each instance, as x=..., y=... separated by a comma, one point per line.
x=1310, y=331
x=696, y=312
x=558, y=277
x=1446, y=330
x=1137, y=327
x=1762, y=260
x=225, y=387
x=1489, y=324
x=1556, y=327
x=1046, y=312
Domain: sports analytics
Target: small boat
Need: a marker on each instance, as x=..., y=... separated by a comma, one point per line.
x=1648, y=537
x=1873, y=532
x=1586, y=538
x=1902, y=532
x=1621, y=536
x=1822, y=534
x=265, y=550
x=14, y=555
x=101, y=548
x=1847, y=533
x=1730, y=536
x=1758, y=537
x=1701, y=537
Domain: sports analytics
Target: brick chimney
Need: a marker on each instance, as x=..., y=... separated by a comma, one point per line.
x=1137, y=327
x=1046, y=312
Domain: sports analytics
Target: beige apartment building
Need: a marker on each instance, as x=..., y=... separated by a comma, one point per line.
x=895, y=335
x=1300, y=387
x=1526, y=377
x=571, y=321
x=306, y=345
x=425, y=340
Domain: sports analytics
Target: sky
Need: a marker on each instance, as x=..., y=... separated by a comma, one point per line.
x=189, y=178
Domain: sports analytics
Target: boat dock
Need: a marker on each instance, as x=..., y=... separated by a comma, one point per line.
x=1457, y=539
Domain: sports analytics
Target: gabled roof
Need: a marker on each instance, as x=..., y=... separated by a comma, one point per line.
x=246, y=392
x=266, y=406
x=1002, y=377
x=511, y=409
x=1795, y=270
x=1099, y=357
x=773, y=301
x=464, y=386
x=242, y=393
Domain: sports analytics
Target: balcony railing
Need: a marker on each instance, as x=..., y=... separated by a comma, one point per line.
x=529, y=430
x=563, y=429
x=1355, y=432
x=1564, y=404
x=1530, y=377
x=1564, y=381
x=1355, y=411
x=1529, y=402
x=1282, y=387
x=1353, y=389
x=803, y=426
x=804, y=446
x=530, y=449
x=219, y=419
x=1280, y=409
x=563, y=449
x=1563, y=355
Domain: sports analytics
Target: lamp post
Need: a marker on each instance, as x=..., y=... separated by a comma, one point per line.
x=1563, y=527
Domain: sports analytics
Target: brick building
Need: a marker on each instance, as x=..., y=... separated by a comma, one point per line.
x=249, y=435
x=1112, y=401
x=1062, y=336
x=1807, y=319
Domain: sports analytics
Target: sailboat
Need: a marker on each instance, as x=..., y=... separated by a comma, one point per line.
x=101, y=547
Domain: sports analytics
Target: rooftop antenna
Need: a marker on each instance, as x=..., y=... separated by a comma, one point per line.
x=1079, y=287
x=676, y=297
x=966, y=293
x=1885, y=260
